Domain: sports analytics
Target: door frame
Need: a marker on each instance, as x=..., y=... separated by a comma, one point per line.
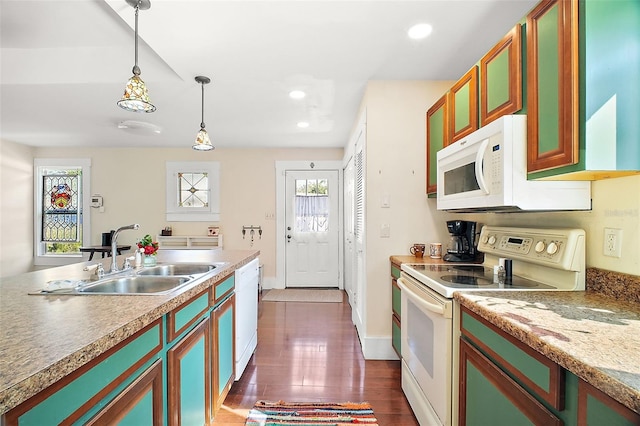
x=281, y=168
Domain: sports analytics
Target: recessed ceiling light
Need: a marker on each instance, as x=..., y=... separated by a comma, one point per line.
x=419, y=31
x=297, y=94
x=303, y=124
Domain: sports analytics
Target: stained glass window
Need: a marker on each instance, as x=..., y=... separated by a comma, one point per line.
x=193, y=189
x=61, y=207
x=312, y=205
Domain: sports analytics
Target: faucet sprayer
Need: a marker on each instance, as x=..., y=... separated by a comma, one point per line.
x=114, y=245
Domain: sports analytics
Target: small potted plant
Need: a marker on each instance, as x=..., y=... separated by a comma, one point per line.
x=148, y=248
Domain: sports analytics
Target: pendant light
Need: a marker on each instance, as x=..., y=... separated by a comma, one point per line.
x=202, y=143
x=136, y=98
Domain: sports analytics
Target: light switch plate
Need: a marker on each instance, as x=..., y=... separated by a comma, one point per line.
x=385, y=230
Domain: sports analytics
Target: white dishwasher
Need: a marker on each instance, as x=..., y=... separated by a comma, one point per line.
x=246, y=281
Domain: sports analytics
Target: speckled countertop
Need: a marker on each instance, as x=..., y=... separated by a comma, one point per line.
x=44, y=338
x=594, y=336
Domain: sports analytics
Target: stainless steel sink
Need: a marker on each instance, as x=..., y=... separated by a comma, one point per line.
x=178, y=269
x=138, y=284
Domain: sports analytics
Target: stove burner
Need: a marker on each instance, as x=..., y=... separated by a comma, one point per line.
x=466, y=280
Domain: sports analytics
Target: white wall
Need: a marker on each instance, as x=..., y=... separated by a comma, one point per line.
x=396, y=167
x=132, y=182
x=16, y=208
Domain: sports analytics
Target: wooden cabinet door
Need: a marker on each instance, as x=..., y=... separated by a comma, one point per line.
x=552, y=85
x=139, y=404
x=437, y=138
x=501, y=78
x=597, y=408
x=488, y=396
x=188, y=377
x=463, y=106
x=223, y=351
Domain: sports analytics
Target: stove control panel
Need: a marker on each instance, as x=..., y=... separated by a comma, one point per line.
x=560, y=248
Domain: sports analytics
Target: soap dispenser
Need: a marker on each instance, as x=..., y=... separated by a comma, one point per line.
x=138, y=260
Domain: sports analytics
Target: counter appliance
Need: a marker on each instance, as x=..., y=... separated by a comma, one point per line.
x=462, y=246
x=542, y=260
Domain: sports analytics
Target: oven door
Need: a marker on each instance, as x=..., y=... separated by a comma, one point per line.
x=426, y=341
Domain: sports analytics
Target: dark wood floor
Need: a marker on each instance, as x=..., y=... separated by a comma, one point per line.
x=311, y=352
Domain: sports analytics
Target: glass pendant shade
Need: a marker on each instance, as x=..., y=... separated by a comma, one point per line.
x=136, y=97
x=202, y=143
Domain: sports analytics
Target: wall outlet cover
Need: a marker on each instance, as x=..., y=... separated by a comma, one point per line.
x=612, y=242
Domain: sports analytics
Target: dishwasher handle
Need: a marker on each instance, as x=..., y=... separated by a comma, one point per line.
x=433, y=307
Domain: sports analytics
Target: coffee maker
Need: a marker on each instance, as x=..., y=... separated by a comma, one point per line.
x=462, y=247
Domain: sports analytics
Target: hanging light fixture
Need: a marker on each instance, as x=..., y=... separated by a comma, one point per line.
x=136, y=98
x=202, y=143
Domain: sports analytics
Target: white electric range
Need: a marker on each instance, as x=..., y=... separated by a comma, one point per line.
x=542, y=260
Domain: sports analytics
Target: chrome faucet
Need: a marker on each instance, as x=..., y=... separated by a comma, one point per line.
x=114, y=245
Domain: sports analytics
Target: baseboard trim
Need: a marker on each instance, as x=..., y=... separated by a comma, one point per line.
x=378, y=348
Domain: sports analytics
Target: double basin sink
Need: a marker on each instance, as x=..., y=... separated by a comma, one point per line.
x=152, y=281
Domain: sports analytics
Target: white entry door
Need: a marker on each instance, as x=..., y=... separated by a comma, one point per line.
x=312, y=228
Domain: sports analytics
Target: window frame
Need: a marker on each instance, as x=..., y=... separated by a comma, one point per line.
x=39, y=256
x=176, y=213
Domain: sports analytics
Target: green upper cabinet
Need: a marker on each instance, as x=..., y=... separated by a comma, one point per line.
x=552, y=86
x=501, y=78
x=583, y=86
x=463, y=106
x=437, y=138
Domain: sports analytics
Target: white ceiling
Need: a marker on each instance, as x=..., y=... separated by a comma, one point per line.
x=64, y=65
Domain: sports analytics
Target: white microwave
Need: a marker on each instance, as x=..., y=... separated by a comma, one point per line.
x=487, y=171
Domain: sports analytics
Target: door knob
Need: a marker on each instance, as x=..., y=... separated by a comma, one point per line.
x=288, y=238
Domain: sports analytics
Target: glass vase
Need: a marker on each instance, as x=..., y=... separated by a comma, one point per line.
x=149, y=260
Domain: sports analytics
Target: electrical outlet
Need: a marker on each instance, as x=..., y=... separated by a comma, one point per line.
x=612, y=242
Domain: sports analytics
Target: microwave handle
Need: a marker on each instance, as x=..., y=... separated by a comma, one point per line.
x=479, y=170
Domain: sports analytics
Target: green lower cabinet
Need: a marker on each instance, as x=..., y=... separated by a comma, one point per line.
x=188, y=379
x=140, y=404
x=396, y=335
x=164, y=374
x=597, y=408
x=503, y=383
x=77, y=398
x=488, y=396
x=223, y=355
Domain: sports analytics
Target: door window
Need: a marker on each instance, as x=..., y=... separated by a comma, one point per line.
x=312, y=205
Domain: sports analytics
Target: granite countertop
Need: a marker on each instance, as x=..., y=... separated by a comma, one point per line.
x=594, y=336
x=45, y=337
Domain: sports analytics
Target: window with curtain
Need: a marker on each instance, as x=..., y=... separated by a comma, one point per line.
x=312, y=205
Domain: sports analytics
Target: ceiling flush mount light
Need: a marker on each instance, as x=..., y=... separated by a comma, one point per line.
x=140, y=127
x=136, y=98
x=202, y=143
x=303, y=124
x=419, y=31
x=297, y=94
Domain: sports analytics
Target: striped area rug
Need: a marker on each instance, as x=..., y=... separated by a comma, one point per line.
x=268, y=413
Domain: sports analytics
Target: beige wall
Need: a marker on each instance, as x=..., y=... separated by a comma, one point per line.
x=396, y=167
x=16, y=208
x=132, y=182
x=616, y=204
x=396, y=156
